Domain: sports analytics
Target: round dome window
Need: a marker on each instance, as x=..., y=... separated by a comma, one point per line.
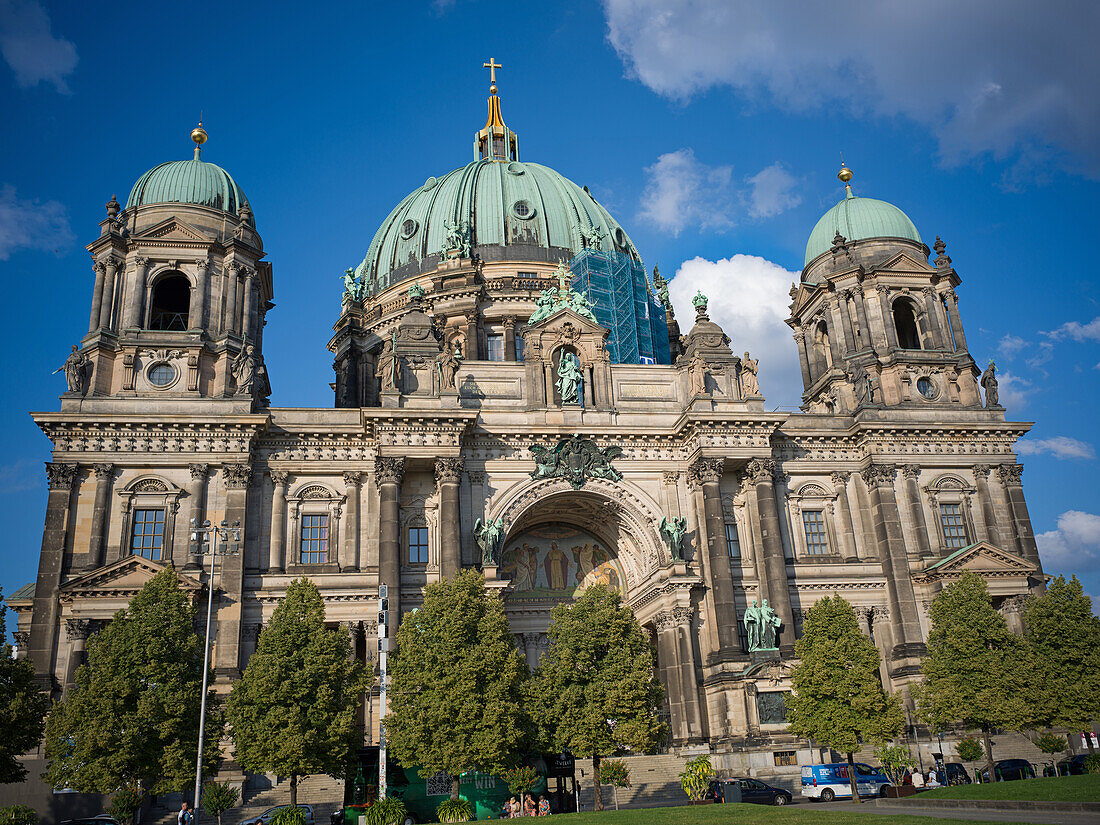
x=926, y=388
x=620, y=238
x=523, y=210
x=161, y=375
x=515, y=168
x=408, y=228
x=429, y=183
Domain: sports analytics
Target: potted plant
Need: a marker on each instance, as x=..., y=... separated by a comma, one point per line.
x=388, y=811
x=454, y=810
x=895, y=760
x=696, y=778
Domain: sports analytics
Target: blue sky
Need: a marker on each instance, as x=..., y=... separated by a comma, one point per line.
x=713, y=131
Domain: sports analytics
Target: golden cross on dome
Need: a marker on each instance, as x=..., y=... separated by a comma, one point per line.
x=492, y=66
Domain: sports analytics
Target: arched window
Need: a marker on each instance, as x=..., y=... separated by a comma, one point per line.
x=171, y=303
x=905, y=322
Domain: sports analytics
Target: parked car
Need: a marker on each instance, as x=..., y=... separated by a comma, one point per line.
x=830, y=781
x=1074, y=766
x=955, y=774
x=749, y=790
x=1007, y=770
x=268, y=815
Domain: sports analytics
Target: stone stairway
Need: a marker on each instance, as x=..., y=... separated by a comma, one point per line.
x=324, y=793
x=654, y=783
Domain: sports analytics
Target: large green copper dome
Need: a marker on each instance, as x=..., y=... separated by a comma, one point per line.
x=188, y=181
x=858, y=219
x=514, y=211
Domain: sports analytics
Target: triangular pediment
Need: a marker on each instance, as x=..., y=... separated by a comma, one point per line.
x=567, y=315
x=172, y=229
x=120, y=579
x=902, y=262
x=983, y=558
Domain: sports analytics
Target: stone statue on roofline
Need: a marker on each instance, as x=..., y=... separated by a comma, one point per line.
x=989, y=384
x=75, y=369
x=750, y=386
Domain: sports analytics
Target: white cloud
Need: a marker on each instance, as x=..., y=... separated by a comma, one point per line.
x=1011, y=345
x=681, y=192
x=1078, y=332
x=30, y=48
x=1074, y=545
x=985, y=77
x=1060, y=446
x=1013, y=391
x=749, y=300
x=772, y=192
x=31, y=224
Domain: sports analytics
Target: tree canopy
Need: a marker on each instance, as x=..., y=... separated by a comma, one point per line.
x=1064, y=638
x=456, y=692
x=133, y=716
x=293, y=712
x=23, y=708
x=838, y=699
x=594, y=691
x=977, y=671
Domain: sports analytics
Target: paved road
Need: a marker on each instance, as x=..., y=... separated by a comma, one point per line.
x=1037, y=817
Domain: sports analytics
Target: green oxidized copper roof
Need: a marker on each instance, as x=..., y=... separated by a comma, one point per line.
x=188, y=181
x=24, y=592
x=505, y=204
x=858, y=219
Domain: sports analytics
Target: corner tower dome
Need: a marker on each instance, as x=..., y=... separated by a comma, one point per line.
x=189, y=181
x=858, y=219
x=511, y=210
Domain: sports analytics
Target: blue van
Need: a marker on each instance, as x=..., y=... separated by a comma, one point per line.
x=830, y=781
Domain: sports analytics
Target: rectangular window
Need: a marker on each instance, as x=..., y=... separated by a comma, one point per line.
x=496, y=347
x=418, y=545
x=784, y=759
x=314, y=539
x=733, y=545
x=813, y=522
x=954, y=529
x=520, y=351
x=147, y=538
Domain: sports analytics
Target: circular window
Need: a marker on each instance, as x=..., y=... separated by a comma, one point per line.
x=161, y=375
x=523, y=210
x=925, y=387
x=429, y=183
x=620, y=238
x=408, y=228
x=515, y=168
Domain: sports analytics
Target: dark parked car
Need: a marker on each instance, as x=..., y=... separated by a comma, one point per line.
x=268, y=815
x=751, y=790
x=955, y=774
x=1009, y=769
x=1074, y=766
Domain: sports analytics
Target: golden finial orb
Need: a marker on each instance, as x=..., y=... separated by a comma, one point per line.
x=198, y=134
x=845, y=174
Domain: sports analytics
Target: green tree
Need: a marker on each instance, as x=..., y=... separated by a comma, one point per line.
x=594, y=690
x=696, y=777
x=219, y=797
x=614, y=772
x=969, y=749
x=456, y=693
x=521, y=780
x=1064, y=641
x=132, y=719
x=23, y=708
x=293, y=711
x=976, y=671
x=1051, y=744
x=838, y=699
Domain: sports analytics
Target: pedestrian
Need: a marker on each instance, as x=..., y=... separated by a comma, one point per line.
x=514, y=809
x=918, y=780
x=544, y=806
x=506, y=810
x=185, y=816
x=530, y=806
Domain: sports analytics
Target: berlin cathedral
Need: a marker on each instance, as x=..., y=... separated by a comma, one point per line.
x=512, y=392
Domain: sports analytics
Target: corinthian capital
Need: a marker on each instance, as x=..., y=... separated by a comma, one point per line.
x=389, y=470
x=980, y=470
x=352, y=478
x=760, y=470
x=448, y=470
x=199, y=471
x=707, y=470
x=1010, y=473
x=60, y=476
x=104, y=472
x=237, y=476
x=910, y=470
x=879, y=475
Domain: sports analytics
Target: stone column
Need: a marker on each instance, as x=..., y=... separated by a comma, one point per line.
x=1013, y=610
x=249, y=300
x=688, y=681
x=232, y=276
x=887, y=317
x=846, y=316
x=837, y=341
x=97, y=295
x=104, y=474
x=349, y=554
x=847, y=530
x=132, y=313
x=707, y=473
x=195, y=311
x=106, y=308
x=197, y=513
x=911, y=472
x=448, y=474
x=78, y=631
x=951, y=299
x=803, y=357
x=473, y=342
x=276, y=559
x=861, y=313
x=388, y=473
x=510, y=338
x=668, y=661
x=1021, y=521
x=940, y=338
x=42, y=646
x=981, y=481
x=227, y=650
x=762, y=471
x=895, y=563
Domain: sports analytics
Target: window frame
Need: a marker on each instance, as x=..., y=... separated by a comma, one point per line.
x=729, y=522
x=157, y=536
x=313, y=497
x=495, y=338
x=812, y=495
x=958, y=531
x=306, y=541
x=422, y=531
x=816, y=538
x=146, y=492
x=951, y=489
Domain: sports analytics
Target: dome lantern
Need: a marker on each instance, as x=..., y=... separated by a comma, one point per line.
x=495, y=141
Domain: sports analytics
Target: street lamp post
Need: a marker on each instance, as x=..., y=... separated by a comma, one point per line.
x=204, y=542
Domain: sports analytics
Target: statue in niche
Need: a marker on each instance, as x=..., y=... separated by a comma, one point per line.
x=861, y=382
x=697, y=373
x=489, y=536
x=386, y=371
x=244, y=370
x=447, y=365
x=750, y=386
x=75, y=368
x=989, y=384
x=673, y=530
x=569, y=379
x=762, y=624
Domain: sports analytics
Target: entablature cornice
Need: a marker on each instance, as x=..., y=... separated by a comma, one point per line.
x=228, y=434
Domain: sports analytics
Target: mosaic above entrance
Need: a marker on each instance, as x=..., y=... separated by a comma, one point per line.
x=558, y=561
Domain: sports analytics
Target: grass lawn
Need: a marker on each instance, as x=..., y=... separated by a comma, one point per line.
x=741, y=814
x=1053, y=789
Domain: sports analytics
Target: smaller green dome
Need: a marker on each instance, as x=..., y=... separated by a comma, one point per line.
x=859, y=219
x=188, y=181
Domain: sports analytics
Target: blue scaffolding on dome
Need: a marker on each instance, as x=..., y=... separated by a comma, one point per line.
x=624, y=303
